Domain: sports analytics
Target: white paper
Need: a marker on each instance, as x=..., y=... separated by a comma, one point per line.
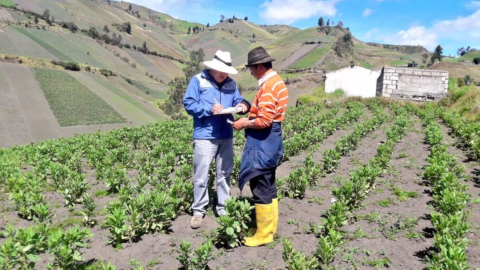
x=230, y=110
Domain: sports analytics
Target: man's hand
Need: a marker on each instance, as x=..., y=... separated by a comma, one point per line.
x=217, y=108
x=243, y=106
x=241, y=123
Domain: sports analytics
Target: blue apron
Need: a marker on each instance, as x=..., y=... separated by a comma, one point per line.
x=262, y=153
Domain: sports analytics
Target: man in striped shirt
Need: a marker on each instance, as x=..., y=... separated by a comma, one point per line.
x=264, y=147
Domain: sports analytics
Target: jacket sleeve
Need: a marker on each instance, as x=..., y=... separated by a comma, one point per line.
x=237, y=99
x=193, y=103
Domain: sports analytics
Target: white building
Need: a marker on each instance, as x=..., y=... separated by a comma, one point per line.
x=353, y=80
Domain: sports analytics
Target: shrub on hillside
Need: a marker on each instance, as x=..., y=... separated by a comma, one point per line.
x=67, y=65
x=107, y=72
x=70, y=26
x=476, y=60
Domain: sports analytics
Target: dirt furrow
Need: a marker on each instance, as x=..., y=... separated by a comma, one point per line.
x=393, y=229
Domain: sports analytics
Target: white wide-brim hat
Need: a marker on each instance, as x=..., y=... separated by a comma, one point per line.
x=221, y=62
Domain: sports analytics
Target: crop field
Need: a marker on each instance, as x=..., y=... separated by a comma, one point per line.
x=365, y=184
x=16, y=43
x=36, y=36
x=71, y=102
x=7, y=3
x=312, y=57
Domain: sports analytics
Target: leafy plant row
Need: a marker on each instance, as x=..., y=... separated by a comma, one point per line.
x=349, y=196
x=331, y=157
x=21, y=248
x=329, y=124
x=468, y=131
x=449, y=199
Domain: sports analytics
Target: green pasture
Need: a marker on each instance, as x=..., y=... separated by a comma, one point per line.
x=312, y=57
x=135, y=102
x=366, y=65
x=148, y=90
x=16, y=43
x=47, y=46
x=71, y=102
x=466, y=57
x=7, y=3
x=306, y=35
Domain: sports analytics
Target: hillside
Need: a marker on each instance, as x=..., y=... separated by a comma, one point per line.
x=128, y=54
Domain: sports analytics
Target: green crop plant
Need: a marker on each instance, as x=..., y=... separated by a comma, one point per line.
x=233, y=226
x=296, y=184
x=89, y=206
x=331, y=160
x=328, y=246
x=115, y=223
x=295, y=260
x=65, y=246
x=195, y=259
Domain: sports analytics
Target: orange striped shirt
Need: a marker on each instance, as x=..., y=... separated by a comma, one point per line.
x=270, y=103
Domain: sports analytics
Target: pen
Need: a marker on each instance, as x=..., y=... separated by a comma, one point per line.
x=216, y=100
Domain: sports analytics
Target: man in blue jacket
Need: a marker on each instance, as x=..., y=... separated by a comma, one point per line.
x=208, y=93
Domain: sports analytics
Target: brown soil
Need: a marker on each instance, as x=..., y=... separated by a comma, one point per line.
x=382, y=238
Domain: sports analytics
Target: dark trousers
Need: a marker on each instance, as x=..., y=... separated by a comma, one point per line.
x=264, y=188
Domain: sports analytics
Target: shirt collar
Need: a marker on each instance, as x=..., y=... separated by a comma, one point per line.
x=267, y=76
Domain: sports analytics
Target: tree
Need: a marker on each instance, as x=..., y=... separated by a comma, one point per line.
x=328, y=22
x=321, y=22
x=208, y=25
x=340, y=24
x=174, y=103
x=253, y=36
x=105, y=29
x=461, y=51
x=36, y=19
x=128, y=28
x=130, y=7
x=476, y=60
x=333, y=23
x=145, y=48
x=246, y=18
x=222, y=18
x=437, y=54
x=46, y=16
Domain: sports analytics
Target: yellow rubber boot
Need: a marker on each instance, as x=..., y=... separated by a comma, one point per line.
x=265, y=222
x=275, y=217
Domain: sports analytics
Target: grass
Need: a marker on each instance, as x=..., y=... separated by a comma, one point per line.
x=312, y=57
x=148, y=90
x=7, y=3
x=125, y=96
x=45, y=45
x=319, y=95
x=464, y=100
x=71, y=102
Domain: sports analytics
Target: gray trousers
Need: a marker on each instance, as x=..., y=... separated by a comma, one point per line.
x=204, y=151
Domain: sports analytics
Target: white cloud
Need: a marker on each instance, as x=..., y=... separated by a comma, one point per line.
x=289, y=11
x=474, y=5
x=368, y=36
x=367, y=12
x=462, y=30
x=415, y=35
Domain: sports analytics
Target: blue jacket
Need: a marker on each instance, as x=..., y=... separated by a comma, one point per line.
x=199, y=99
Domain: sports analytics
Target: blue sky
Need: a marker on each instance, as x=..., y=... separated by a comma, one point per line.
x=452, y=24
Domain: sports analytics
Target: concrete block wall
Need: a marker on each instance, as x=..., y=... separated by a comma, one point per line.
x=412, y=83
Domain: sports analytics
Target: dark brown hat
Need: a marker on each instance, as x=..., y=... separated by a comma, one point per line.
x=258, y=56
